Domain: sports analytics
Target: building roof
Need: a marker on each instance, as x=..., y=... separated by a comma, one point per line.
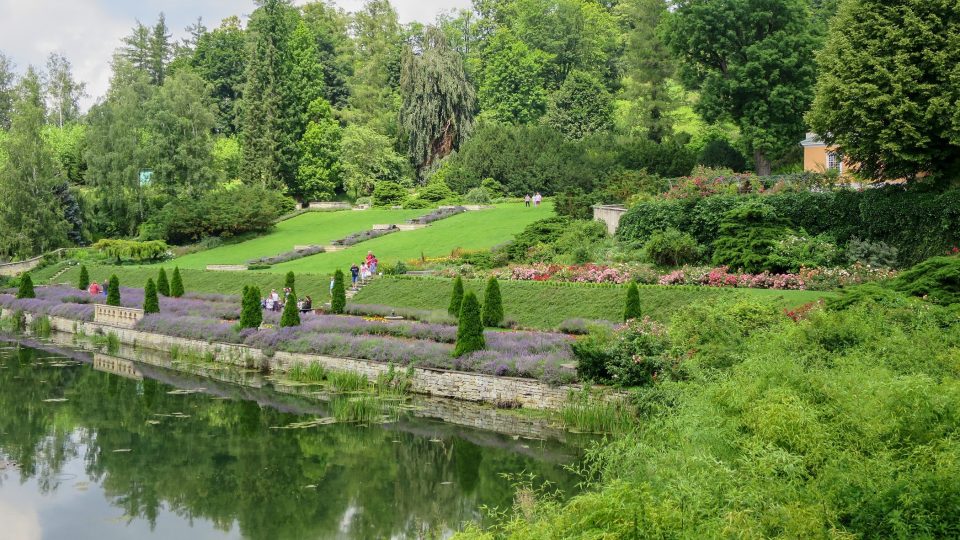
x=812, y=140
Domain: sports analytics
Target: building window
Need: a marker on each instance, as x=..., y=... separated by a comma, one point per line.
x=834, y=161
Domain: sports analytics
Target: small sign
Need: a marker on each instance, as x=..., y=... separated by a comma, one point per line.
x=146, y=175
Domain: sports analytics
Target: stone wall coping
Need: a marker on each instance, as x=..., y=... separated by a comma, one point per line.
x=226, y=267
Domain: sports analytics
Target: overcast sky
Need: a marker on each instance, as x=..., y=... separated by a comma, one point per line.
x=88, y=31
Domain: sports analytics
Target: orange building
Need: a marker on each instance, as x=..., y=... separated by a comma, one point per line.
x=818, y=157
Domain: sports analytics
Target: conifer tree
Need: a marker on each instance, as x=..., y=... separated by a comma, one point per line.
x=291, y=315
x=84, y=278
x=492, y=304
x=457, y=299
x=339, y=301
x=470, y=330
x=632, y=308
x=176, y=286
x=151, y=304
x=290, y=282
x=163, y=285
x=113, y=291
x=251, y=314
x=26, y=287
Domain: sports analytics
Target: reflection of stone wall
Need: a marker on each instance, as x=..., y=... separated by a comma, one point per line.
x=117, y=366
x=609, y=214
x=117, y=316
x=435, y=382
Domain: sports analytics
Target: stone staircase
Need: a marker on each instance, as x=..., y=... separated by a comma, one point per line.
x=361, y=283
x=60, y=272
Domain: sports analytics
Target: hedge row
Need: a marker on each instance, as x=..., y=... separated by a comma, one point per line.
x=920, y=224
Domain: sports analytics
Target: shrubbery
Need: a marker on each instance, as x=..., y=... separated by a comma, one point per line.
x=389, y=194
x=747, y=237
x=176, y=285
x=672, y=248
x=26, y=287
x=478, y=195
x=251, y=312
x=132, y=250
x=151, y=304
x=470, y=329
x=113, y=291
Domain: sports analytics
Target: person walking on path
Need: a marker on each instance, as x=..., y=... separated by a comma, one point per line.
x=537, y=199
x=354, y=273
x=526, y=200
x=94, y=289
x=275, y=298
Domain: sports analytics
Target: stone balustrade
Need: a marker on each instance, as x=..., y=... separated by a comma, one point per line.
x=122, y=317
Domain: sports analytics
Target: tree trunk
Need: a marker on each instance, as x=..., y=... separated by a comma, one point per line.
x=762, y=163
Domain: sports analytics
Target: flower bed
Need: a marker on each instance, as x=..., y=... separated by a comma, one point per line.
x=211, y=317
x=437, y=215
x=363, y=236
x=288, y=256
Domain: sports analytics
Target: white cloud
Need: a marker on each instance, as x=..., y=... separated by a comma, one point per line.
x=87, y=32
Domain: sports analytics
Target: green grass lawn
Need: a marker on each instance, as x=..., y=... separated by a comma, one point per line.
x=471, y=231
x=546, y=305
x=308, y=228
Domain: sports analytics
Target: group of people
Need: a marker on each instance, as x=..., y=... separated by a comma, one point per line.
x=366, y=270
x=274, y=302
x=96, y=289
x=536, y=199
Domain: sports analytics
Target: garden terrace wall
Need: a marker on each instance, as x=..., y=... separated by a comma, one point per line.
x=465, y=386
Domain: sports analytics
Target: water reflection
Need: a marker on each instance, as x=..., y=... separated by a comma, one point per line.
x=119, y=452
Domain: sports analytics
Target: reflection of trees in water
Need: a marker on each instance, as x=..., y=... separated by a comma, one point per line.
x=223, y=463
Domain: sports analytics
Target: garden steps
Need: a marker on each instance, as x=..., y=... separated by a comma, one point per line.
x=60, y=272
x=352, y=291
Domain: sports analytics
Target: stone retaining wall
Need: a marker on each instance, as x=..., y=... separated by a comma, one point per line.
x=476, y=387
x=116, y=315
x=226, y=267
x=609, y=215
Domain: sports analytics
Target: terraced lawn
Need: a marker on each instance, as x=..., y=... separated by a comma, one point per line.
x=309, y=228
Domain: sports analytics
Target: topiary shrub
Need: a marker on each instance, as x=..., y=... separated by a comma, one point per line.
x=631, y=309
x=251, y=312
x=470, y=329
x=456, y=299
x=163, y=285
x=672, y=248
x=290, y=315
x=748, y=236
x=492, y=304
x=338, y=302
x=151, y=304
x=26, y=287
x=113, y=291
x=176, y=285
x=84, y=281
x=435, y=191
x=389, y=194
x=290, y=282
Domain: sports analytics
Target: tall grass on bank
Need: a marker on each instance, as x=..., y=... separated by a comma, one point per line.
x=589, y=413
x=347, y=381
x=307, y=373
x=362, y=408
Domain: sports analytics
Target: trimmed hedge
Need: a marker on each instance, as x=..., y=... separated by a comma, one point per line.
x=920, y=224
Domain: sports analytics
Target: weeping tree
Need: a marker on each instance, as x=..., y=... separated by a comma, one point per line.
x=438, y=99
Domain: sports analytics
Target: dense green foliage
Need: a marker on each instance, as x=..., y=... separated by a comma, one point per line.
x=936, y=279
x=887, y=93
x=672, y=248
x=163, y=284
x=26, y=287
x=456, y=297
x=338, y=300
x=631, y=308
x=290, y=281
x=251, y=312
x=747, y=237
x=389, y=194
x=919, y=224
x=492, y=315
x=132, y=250
x=151, y=303
x=113, y=291
x=470, y=328
x=290, y=315
x=176, y=284
x=84, y=280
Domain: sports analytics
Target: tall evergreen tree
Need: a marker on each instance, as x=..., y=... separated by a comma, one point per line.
x=8, y=83
x=31, y=211
x=470, y=330
x=338, y=300
x=329, y=26
x=492, y=304
x=290, y=315
x=374, y=86
x=220, y=58
x=631, y=308
x=151, y=303
x=26, y=287
x=136, y=48
x=290, y=281
x=251, y=312
x=269, y=146
x=306, y=76
x=438, y=100
x=163, y=285
x=63, y=92
x=176, y=284
x=160, y=51
x=648, y=66
x=84, y=282
x=113, y=291
x=456, y=299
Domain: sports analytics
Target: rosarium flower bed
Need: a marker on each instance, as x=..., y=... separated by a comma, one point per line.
x=212, y=318
x=806, y=279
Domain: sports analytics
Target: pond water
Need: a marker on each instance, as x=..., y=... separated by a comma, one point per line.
x=124, y=451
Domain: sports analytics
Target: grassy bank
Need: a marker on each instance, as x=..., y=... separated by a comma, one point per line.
x=546, y=305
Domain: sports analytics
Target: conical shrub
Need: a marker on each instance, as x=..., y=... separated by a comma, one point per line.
x=291, y=315
x=251, y=314
x=290, y=282
x=632, y=308
x=113, y=291
x=84, y=282
x=339, y=301
x=151, y=304
x=492, y=304
x=176, y=284
x=26, y=287
x=470, y=329
x=457, y=299
x=163, y=285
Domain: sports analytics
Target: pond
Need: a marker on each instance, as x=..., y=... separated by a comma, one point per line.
x=97, y=446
